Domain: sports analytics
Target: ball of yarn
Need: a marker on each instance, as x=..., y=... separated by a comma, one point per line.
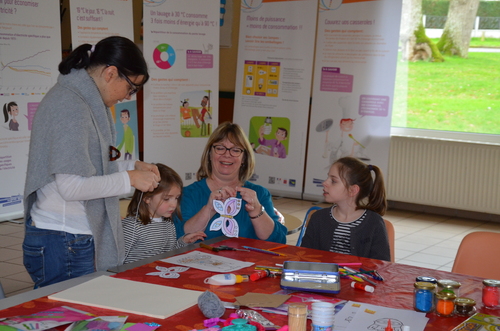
x=210, y=305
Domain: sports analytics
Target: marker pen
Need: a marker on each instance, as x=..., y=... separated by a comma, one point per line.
x=363, y=287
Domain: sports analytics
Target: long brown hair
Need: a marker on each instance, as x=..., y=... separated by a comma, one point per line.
x=235, y=134
x=169, y=179
x=371, y=194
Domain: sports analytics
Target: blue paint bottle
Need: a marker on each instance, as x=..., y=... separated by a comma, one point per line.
x=424, y=296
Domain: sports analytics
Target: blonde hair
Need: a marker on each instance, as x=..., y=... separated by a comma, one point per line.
x=235, y=134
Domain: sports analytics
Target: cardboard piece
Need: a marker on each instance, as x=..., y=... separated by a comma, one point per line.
x=262, y=300
x=130, y=296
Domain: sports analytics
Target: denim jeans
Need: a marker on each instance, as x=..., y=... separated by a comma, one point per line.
x=53, y=256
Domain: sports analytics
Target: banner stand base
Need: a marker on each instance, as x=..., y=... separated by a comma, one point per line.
x=12, y=221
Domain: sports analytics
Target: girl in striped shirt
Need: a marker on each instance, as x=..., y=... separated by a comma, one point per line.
x=149, y=228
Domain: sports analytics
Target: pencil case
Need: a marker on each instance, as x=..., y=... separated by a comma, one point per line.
x=311, y=276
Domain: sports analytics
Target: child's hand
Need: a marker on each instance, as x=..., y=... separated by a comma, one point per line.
x=190, y=238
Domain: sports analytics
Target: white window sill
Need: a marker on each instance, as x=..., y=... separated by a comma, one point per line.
x=471, y=138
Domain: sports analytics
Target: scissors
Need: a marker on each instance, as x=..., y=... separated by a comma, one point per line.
x=222, y=248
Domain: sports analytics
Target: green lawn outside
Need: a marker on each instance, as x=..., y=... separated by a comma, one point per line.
x=455, y=95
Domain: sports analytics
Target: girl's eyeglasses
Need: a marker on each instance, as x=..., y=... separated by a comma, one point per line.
x=233, y=151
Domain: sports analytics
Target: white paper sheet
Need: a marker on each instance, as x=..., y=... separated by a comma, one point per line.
x=361, y=316
x=208, y=262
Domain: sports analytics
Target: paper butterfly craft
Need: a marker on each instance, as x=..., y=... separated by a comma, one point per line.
x=172, y=272
x=227, y=209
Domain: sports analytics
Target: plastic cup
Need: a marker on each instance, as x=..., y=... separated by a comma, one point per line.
x=323, y=316
x=323, y=321
x=321, y=305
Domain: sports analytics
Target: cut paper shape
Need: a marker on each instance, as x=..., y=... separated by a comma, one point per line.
x=227, y=210
x=172, y=272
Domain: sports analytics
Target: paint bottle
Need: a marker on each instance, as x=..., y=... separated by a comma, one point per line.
x=445, y=304
x=226, y=279
x=449, y=286
x=491, y=293
x=465, y=307
x=423, y=296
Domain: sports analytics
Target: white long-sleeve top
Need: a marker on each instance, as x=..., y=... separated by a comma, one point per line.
x=60, y=205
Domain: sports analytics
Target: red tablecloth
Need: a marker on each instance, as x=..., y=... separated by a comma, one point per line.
x=395, y=291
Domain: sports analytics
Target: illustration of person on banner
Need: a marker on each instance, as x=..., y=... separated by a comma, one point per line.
x=205, y=104
x=128, y=135
x=347, y=144
x=11, y=110
x=276, y=145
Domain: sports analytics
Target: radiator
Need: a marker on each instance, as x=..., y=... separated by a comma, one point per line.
x=447, y=174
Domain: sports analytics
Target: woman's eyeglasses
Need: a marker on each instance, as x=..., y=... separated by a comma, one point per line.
x=133, y=88
x=233, y=151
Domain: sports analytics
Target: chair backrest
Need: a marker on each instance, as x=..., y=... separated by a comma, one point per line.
x=2, y=294
x=479, y=255
x=392, y=239
x=309, y=213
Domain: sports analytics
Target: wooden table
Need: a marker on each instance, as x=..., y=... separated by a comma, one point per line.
x=396, y=291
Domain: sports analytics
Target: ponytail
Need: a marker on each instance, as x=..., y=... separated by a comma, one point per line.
x=6, y=112
x=377, y=201
x=77, y=59
x=371, y=193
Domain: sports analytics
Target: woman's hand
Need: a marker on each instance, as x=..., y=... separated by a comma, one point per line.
x=190, y=238
x=139, y=165
x=252, y=206
x=221, y=194
x=144, y=180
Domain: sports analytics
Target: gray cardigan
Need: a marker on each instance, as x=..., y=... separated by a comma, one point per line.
x=368, y=239
x=72, y=132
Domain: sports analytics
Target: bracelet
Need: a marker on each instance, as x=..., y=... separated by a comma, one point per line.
x=259, y=215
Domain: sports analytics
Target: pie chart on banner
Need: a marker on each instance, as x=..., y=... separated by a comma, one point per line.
x=164, y=56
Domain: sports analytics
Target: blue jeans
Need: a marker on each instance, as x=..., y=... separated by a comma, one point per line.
x=53, y=256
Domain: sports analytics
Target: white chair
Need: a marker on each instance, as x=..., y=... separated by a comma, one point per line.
x=309, y=213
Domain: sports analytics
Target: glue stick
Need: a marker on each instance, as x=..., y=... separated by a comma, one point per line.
x=226, y=279
x=258, y=274
x=363, y=287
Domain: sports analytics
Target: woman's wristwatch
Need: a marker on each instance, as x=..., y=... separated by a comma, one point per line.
x=259, y=215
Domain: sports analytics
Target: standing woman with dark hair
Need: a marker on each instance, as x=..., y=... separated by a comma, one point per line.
x=72, y=214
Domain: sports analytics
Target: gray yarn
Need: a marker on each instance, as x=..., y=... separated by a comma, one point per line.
x=210, y=305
